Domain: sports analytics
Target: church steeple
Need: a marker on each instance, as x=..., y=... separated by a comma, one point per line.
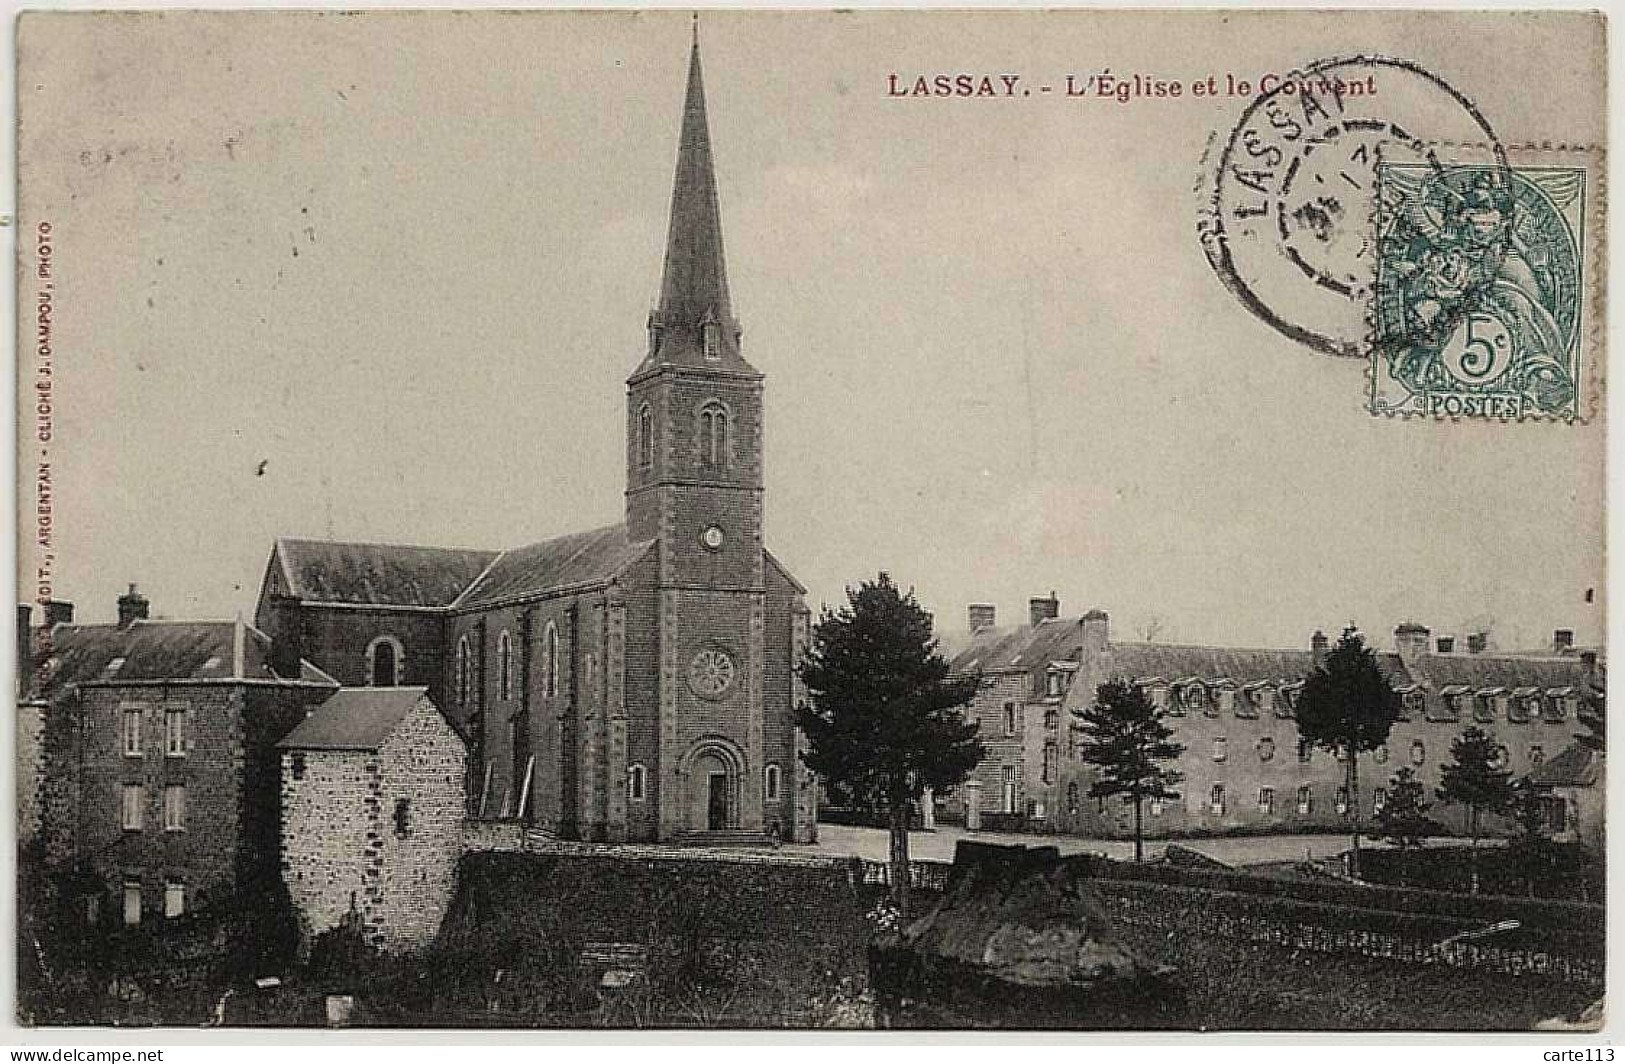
x=694, y=323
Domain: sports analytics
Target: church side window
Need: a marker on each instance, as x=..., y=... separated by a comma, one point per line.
x=714, y=435
x=384, y=661
x=646, y=437
x=771, y=785
x=636, y=782
x=464, y=671
x=505, y=664
x=550, y=661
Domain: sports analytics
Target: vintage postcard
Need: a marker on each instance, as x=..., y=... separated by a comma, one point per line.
x=818, y=519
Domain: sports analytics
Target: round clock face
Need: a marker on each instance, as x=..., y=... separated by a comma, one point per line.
x=711, y=673
x=712, y=537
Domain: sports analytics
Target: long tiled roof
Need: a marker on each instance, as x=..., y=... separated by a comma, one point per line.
x=992, y=649
x=355, y=718
x=374, y=574
x=155, y=650
x=564, y=561
x=379, y=574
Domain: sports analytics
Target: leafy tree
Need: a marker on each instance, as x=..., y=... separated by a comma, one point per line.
x=1475, y=778
x=1403, y=819
x=885, y=720
x=1124, y=734
x=1348, y=707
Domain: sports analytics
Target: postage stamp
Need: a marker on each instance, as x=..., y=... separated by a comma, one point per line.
x=1479, y=307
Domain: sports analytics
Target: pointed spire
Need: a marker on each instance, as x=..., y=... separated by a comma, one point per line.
x=694, y=288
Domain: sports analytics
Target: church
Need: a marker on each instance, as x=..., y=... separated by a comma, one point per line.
x=634, y=682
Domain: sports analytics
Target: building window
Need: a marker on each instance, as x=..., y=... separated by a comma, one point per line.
x=1306, y=751
x=1306, y=800
x=1266, y=800
x=132, y=903
x=384, y=661
x=175, y=731
x=1156, y=807
x=1049, y=762
x=714, y=435
x=1419, y=752
x=1415, y=702
x=1379, y=801
x=403, y=816
x=1560, y=708
x=1009, y=718
x=1219, y=749
x=1194, y=697
x=1266, y=749
x=1072, y=799
x=1342, y=801
x=1484, y=709
x=132, y=732
x=1009, y=788
x=1501, y=757
x=175, y=807
x=1537, y=754
x=174, y=898
x=550, y=661
x=1215, y=800
x=708, y=338
x=296, y=763
x=1381, y=754
x=1052, y=720
x=505, y=664
x=646, y=437
x=771, y=784
x=465, y=670
x=130, y=807
x=636, y=782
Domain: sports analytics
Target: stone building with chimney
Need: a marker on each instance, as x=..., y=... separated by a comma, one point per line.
x=1232, y=708
x=156, y=767
x=633, y=682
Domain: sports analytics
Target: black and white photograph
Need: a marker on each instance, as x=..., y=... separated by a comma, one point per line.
x=811, y=521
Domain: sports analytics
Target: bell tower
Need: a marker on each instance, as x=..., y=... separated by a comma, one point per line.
x=694, y=405
x=694, y=487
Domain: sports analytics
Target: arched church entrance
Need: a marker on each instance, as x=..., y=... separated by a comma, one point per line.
x=715, y=769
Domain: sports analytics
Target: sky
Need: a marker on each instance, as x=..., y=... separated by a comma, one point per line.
x=382, y=277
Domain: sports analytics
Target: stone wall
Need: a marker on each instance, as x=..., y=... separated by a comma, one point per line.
x=377, y=832
x=30, y=767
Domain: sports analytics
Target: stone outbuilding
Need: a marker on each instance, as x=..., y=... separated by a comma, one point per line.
x=373, y=799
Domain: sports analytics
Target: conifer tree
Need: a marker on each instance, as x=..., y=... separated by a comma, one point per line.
x=885, y=720
x=1348, y=707
x=1124, y=734
x=1476, y=778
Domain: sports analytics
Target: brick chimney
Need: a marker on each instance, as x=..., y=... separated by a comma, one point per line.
x=981, y=615
x=1477, y=642
x=1562, y=640
x=1318, y=645
x=1411, y=640
x=1097, y=631
x=132, y=607
x=57, y=613
x=1040, y=610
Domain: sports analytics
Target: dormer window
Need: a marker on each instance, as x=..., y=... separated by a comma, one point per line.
x=1415, y=702
x=1195, y=697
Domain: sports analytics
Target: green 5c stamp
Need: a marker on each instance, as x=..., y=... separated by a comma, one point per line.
x=1480, y=292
